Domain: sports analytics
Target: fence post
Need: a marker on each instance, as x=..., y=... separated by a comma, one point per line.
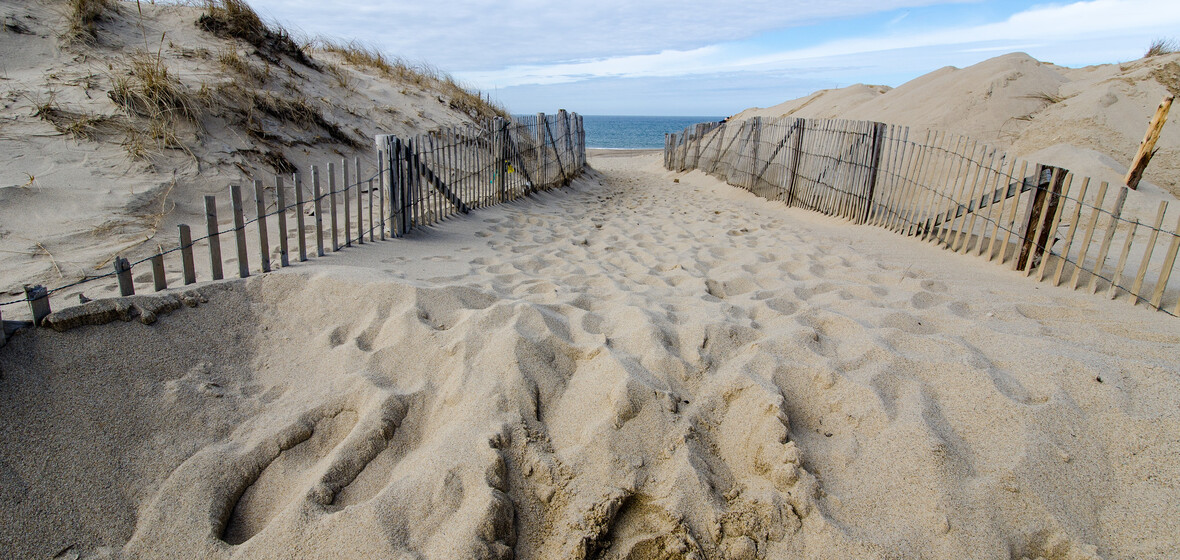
x=542, y=151
x=318, y=209
x=874, y=169
x=214, y=239
x=235, y=198
x=360, y=204
x=347, y=210
x=382, y=209
x=281, y=201
x=123, y=274
x=796, y=154
x=263, y=241
x=1043, y=204
x=501, y=169
x=38, y=298
x=161, y=282
x=299, y=219
x=186, y=254
x=332, y=205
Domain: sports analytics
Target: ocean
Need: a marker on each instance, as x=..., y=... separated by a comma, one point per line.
x=618, y=132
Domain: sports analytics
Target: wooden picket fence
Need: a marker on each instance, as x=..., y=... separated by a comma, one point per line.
x=415, y=182
x=950, y=190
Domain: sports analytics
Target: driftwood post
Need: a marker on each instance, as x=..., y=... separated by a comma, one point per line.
x=1147, y=146
x=1043, y=204
x=186, y=254
x=123, y=274
x=260, y=208
x=38, y=298
x=214, y=239
x=235, y=197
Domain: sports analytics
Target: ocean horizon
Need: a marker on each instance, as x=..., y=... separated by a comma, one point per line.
x=619, y=132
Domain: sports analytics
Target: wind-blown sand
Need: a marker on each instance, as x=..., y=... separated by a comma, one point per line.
x=628, y=368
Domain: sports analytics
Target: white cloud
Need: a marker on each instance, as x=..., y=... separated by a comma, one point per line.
x=472, y=35
x=1045, y=25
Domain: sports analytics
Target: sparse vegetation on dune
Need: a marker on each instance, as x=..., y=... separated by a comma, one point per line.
x=235, y=18
x=83, y=17
x=426, y=76
x=1161, y=47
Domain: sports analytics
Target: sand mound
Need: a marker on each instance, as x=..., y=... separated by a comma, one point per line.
x=1026, y=106
x=629, y=368
x=112, y=141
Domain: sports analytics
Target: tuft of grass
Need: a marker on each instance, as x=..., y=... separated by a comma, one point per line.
x=1161, y=47
x=235, y=18
x=83, y=17
x=77, y=125
x=1046, y=97
x=231, y=61
x=149, y=91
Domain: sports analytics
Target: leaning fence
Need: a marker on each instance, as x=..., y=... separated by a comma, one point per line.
x=950, y=190
x=415, y=182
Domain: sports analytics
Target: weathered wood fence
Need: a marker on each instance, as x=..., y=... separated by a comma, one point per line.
x=414, y=182
x=950, y=190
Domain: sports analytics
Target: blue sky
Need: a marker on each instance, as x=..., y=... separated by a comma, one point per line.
x=710, y=58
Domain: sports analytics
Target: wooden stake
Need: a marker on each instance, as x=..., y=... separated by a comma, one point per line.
x=235, y=197
x=1147, y=146
x=123, y=274
x=1011, y=220
x=1118, y=271
x=360, y=204
x=260, y=209
x=317, y=207
x=161, y=283
x=186, y=254
x=332, y=206
x=214, y=236
x=1151, y=238
x=281, y=200
x=1166, y=272
x=299, y=217
x=347, y=201
x=1107, y=238
x=1051, y=232
x=38, y=298
x=1073, y=227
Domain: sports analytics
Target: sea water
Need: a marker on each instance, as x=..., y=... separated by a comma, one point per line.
x=628, y=132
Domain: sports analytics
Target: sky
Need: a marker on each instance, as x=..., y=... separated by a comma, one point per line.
x=713, y=58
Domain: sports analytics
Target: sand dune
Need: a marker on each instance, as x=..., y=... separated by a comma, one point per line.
x=628, y=368
x=1048, y=113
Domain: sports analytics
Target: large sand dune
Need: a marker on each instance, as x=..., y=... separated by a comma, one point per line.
x=629, y=368
x=1089, y=119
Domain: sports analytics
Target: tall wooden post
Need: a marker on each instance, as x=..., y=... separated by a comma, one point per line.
x=260, y=209
x=235, y=194
x=186, y=253
x=214, y=239
x=1147, y=146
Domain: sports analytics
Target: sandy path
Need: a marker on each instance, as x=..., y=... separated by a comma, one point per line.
x=630, y=367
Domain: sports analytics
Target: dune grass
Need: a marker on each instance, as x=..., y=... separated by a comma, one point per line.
x=426, y=76
x=235, y=18
x=83, y=17
x=1161, y=47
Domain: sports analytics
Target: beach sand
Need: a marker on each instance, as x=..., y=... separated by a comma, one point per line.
x=631, y=367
